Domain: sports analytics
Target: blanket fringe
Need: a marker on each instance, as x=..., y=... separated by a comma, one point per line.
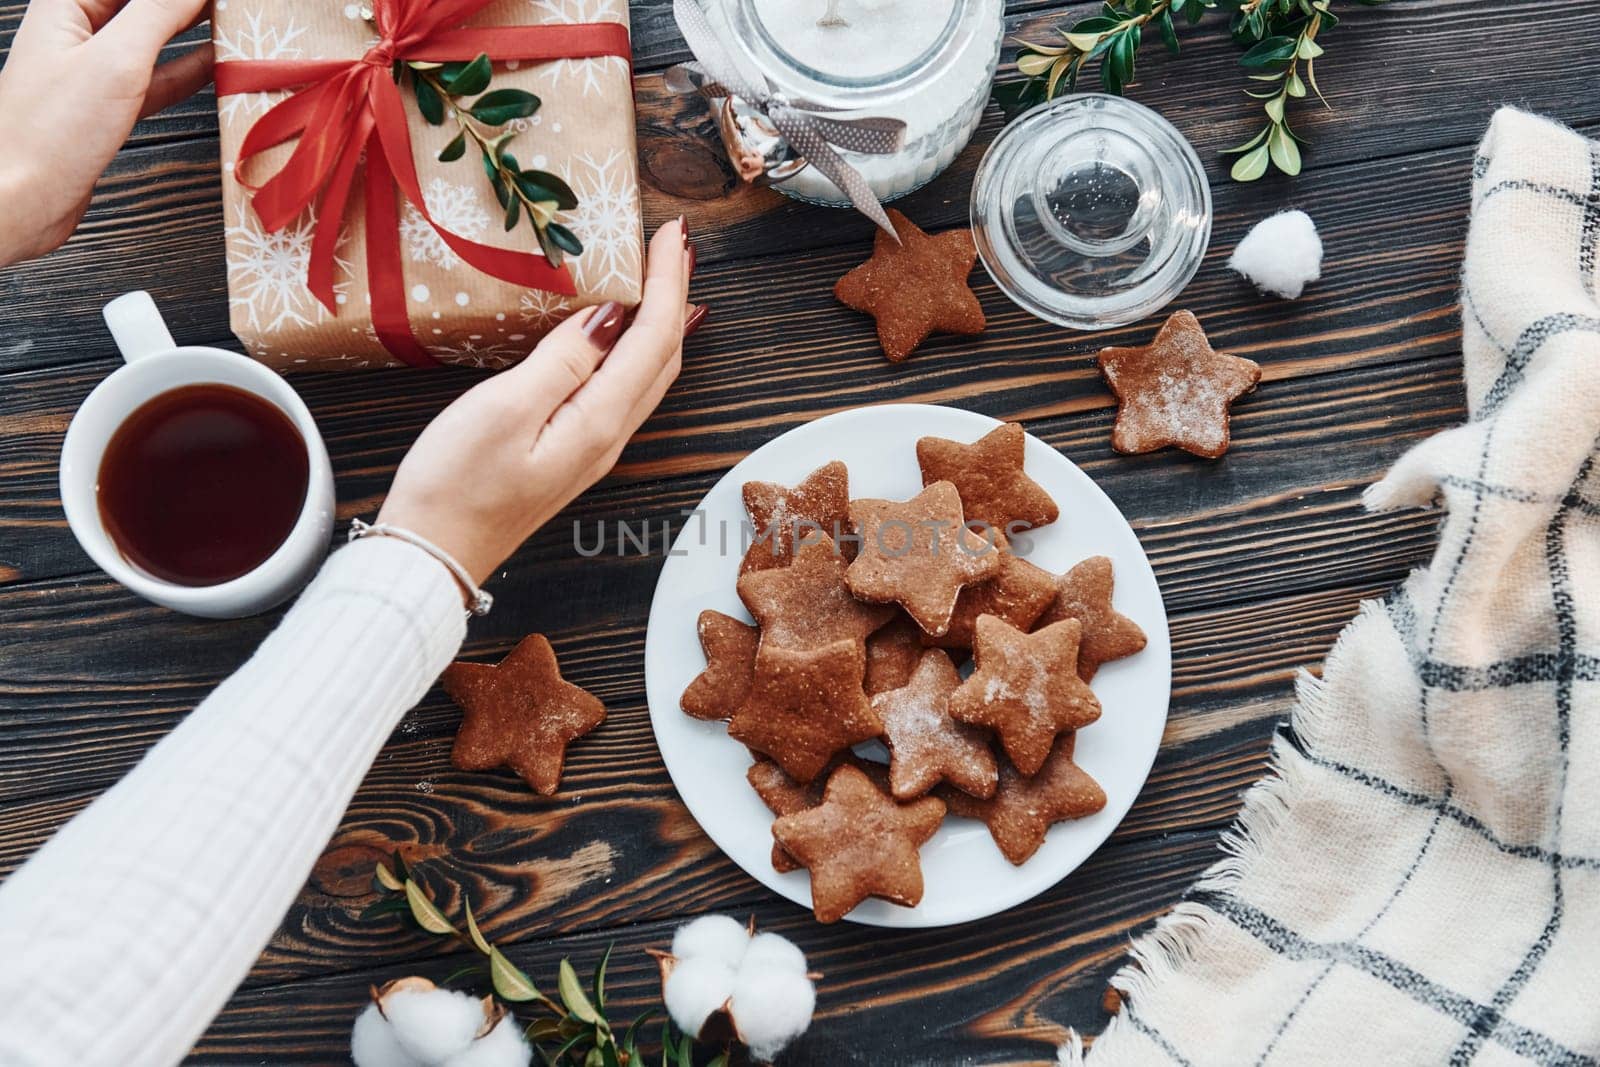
x=1177, y=938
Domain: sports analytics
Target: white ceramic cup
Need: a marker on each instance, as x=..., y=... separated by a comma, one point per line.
x=154, y=365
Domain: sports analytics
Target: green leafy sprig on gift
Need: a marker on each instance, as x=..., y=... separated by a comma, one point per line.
x=1279, y=38
x=537, y=195
x=572, y=1029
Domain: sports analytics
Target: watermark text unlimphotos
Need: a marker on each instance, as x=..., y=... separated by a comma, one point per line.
x=893, y=538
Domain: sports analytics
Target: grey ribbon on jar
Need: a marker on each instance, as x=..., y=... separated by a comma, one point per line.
x=805, y=125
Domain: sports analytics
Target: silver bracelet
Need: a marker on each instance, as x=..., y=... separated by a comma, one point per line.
x=481, y=601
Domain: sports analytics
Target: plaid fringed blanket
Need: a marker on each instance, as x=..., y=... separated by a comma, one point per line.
x=1418, y=880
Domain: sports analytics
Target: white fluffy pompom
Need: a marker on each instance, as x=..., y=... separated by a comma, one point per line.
x=503, y=1046
x=771, y=1008
x=1280, y=254
x=696, y=987
x=373, y=1044
x=435, y=1024
x=770, y=952
x=716, y=937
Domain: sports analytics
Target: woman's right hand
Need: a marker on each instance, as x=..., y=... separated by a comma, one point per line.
x=512, y=451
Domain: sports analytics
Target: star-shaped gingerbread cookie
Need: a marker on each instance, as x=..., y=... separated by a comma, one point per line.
x=781, y=515
x=1018, y=593
x=784, y=796
x=806, y=706
x=989, y=476
x=919, y=553
x=1084, y=593
x=892, y=654
x=730, y=648
x=1026, y=688
x=859, y=843
x=927, y=746
x=808, y=604
x=519, y=713
x=915, y=288
x=1176, y=390
x=1022, y=810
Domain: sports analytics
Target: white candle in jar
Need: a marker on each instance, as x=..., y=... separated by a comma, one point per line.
x=929, y=63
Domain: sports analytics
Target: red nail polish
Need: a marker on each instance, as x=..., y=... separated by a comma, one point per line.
x=604, y=325
x=683, y=224
x=696, y=317
x=694, y=257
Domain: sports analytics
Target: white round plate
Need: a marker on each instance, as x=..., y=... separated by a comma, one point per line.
x=964, y=874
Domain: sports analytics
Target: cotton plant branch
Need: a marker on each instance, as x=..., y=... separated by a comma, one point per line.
x=570, y=1029
x=1279, y=38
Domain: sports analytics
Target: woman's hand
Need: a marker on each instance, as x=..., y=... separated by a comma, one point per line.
x=80, y=74
x=512, y=451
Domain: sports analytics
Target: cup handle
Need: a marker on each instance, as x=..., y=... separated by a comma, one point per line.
x=136, y=326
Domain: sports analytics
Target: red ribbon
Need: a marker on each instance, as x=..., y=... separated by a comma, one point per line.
x=342, y=107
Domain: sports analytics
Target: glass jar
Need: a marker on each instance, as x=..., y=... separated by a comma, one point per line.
x=929, y=63
x=1091, y=211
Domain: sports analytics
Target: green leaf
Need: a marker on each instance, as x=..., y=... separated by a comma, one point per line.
x=502, y=192
x=1285, y=153
x=381, y=908
x=1034, y=64
x=386, y=879
x=399, y=865
x=542, y=185
x=508, y=980
x=630, y=1040
x=472, y=923
x=551, y=250
x=598, y=986
x=428, y=101
x=1309, y=49
x=454, y=150
x=502, y=105
x=572, y=994
x=1267, y=51
x=1274, y=109
x=1169, y=32
x=1296, y=88
x=461, y=973
x=427, y=914
x=1251, y=165
x=1251, y=143
x=720, y=1061
x=497, y=145
x=608, y=1054
x=470, y=79
x=564, y=239
x=513, y=214
x=1084, y=42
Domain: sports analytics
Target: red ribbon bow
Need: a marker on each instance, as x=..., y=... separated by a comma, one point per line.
x=345, y=106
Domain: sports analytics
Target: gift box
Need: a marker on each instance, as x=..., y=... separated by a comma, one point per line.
x=393, y=288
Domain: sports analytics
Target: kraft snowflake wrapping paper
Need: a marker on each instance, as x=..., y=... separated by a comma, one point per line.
x=583, y=131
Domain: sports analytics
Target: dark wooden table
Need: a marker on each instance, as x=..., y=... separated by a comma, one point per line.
x=1262, y=556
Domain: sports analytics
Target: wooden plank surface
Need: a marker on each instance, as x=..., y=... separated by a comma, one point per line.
x=1262, y=556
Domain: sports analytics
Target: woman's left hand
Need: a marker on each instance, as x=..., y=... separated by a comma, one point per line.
x=512, y=451
x=79, y=75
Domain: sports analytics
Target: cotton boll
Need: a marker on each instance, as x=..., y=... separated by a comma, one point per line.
x=771, y=1008
x=504, y=1046
x=771, y=952
x=433, y=1025
x=1280, y=254
x=373, y=1044
x=696, y=987
x=716, y=937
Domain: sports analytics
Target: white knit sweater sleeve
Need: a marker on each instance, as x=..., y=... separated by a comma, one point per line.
x=125, y=934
